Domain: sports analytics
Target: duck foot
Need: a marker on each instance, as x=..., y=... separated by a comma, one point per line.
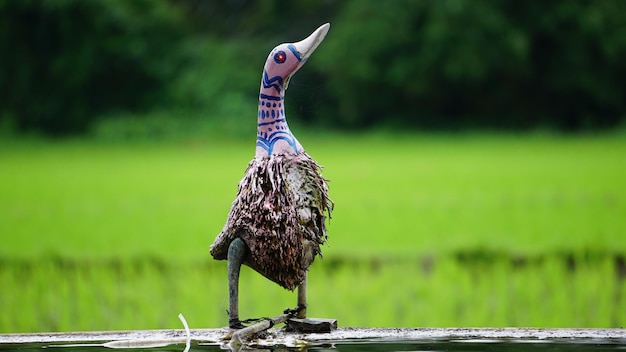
x=294, y=312
x=235, y=324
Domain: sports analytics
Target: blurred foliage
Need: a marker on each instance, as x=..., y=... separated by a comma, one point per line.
x=478, y=63
x=450, y=64
x=64, y=62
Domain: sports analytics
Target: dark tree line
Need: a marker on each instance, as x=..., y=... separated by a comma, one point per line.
x=444, y=64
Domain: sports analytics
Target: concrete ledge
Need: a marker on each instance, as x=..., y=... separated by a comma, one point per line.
x=153, y=338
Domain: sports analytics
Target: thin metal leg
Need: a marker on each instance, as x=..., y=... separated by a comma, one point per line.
x=302, y=299
x=237, y=252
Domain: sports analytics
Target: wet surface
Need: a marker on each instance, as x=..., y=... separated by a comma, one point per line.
x=346, y=339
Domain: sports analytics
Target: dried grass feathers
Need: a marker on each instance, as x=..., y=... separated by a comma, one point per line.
x=279, y=213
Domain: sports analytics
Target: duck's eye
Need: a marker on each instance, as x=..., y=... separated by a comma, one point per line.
x=280, y=57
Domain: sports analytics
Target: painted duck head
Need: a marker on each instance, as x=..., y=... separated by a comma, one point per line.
x=287, y=58
x=273, y=134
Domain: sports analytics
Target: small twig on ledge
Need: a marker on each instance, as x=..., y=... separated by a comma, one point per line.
x=240, y=335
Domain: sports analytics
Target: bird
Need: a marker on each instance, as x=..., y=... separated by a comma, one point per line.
x=277, y=222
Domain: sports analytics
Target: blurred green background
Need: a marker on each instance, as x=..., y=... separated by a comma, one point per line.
x=476, y=152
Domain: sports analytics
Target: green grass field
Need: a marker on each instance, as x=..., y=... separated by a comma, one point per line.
x=451, y=230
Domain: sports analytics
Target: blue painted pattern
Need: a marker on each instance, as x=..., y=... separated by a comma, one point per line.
x=267, y=142
x=295, y=52
x=272, y=124
x=269, y=97
x=272, y=82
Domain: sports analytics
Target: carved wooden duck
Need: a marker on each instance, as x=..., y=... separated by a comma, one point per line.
x=277, y=221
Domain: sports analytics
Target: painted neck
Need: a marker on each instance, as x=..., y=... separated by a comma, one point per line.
x=273, y=134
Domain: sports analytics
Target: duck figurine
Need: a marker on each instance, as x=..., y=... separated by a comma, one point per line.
x=277, y=221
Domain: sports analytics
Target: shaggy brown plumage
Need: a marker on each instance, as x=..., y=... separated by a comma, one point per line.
x=279, y=213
